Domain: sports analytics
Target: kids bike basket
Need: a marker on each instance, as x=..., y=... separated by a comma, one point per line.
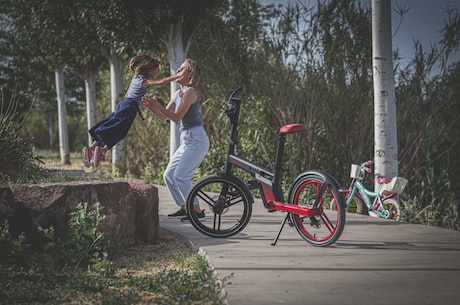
x=395, y=186
x=354, y=172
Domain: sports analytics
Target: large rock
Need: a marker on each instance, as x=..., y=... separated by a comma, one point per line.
x=130, y=207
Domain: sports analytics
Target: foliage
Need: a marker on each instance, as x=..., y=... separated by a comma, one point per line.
x=17, y=158
x=84, y=245
x=59, y=274
x=13, y=248
x=435, y=203
x=185, y=285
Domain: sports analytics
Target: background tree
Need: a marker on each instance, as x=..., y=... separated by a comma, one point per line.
x=385, y=133
x=41, y=26
x=174, y=24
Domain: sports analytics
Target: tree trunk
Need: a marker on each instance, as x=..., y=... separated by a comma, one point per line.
x=62, y=116
x=176, y=55
x=116, y=84
x=90, y=89
x=385, y=131
x=51, y=129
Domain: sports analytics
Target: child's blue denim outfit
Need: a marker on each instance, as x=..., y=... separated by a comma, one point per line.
x=115, y=127
x=194, y=144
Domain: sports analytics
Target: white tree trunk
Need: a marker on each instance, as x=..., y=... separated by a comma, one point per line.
x=385, y=131
x=117, y=65
x=176, y=55
x=62, y=116
x=90, y=89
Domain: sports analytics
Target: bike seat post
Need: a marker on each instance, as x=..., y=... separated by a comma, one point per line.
x=286, y=129
x=279, y=162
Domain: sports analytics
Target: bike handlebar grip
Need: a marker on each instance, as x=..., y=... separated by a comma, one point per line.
x=368, y=170
x=236, y=91
x=370, y=162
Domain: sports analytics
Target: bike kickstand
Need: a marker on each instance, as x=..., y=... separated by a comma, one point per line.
x=280, y=229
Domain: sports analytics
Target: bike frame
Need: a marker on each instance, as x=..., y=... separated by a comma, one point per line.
x=366, y=195
x=267, y=181
x=373, y=200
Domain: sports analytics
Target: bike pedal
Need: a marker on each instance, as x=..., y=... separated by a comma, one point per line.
x=315, y=223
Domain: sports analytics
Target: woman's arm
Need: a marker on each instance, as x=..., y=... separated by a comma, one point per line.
x=150, y=106
x=159, y=114
x=190, y=97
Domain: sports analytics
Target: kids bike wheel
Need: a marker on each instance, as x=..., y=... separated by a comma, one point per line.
x=356, y=206
x=318, y=190
x=392, y=209
x=228, y=202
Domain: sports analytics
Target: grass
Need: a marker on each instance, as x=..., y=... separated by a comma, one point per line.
x=165, y=273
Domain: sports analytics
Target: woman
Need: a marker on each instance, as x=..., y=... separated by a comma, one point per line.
x=184, y=109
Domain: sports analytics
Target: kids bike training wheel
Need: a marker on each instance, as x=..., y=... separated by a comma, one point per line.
x=227, y=205
x=316, y=189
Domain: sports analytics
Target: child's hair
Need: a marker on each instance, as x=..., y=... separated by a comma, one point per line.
x=195, y=72
x=141, y=64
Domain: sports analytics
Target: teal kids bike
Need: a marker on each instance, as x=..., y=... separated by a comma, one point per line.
x=382, y=204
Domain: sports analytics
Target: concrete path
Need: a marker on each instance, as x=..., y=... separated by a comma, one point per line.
x=374, y=262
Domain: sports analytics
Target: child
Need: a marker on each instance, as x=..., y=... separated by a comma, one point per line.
x=114, y=128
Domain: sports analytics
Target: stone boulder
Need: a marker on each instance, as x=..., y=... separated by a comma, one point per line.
x=130, y=207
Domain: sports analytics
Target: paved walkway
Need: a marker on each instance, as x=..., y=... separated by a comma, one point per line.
x=374, y=262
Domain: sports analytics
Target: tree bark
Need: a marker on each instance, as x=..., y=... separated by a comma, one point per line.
x=90, y=90
x=62, y=116
x=116, y=84
x=176, y=55
x=385, y=130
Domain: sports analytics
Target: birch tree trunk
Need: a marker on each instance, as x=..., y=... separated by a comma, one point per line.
x=176, y=55
x=62, y=116
x=90, y=90
x=385, y=131
x=116, y=84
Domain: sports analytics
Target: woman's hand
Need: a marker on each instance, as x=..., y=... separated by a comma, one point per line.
x=150, y=101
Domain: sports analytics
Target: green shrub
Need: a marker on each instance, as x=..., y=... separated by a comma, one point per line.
x=13, y=248
x=84, y=245
x=17, y=158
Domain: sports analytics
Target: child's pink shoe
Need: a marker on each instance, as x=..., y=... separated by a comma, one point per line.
x=98, y=156
x=87, y=156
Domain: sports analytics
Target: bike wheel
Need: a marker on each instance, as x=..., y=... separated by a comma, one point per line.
x=326, y=228
x=227, y=201
x=392, y=208
x=356, y=206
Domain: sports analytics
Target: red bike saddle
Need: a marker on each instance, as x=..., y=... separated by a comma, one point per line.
x=291, y=128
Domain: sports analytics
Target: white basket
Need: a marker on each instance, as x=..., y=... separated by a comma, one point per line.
x=395, y=186
x=354, y=173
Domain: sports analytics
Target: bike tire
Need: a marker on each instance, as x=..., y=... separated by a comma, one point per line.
x=228, y=202
x=326, y=228
x=357, y=206
x=393, y=208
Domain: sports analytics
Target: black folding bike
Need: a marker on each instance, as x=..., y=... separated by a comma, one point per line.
x=315, y=207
